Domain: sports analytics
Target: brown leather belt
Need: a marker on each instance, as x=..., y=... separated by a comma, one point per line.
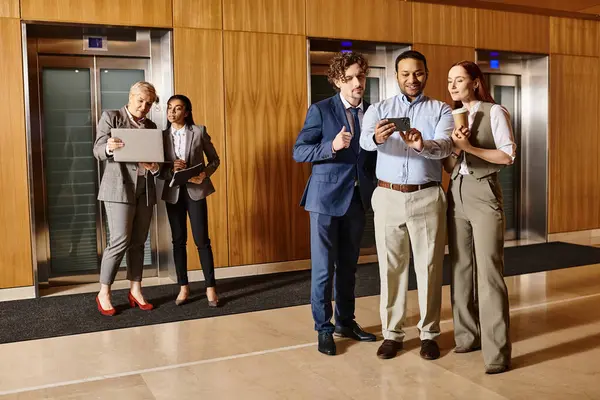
x=406, y=188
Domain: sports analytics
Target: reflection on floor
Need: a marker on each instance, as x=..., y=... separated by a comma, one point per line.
x=555, y=326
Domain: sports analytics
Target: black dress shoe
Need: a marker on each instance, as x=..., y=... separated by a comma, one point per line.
x=354, y=331
x=326, y=344
x=389, y=349
x=429, y=350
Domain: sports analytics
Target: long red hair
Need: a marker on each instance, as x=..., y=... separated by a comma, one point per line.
x=482, y=93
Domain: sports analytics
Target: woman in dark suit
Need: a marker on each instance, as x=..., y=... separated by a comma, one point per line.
x=186, y=144
x=128, y=193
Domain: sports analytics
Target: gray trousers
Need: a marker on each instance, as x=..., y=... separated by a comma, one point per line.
x=476, y=244
x=128, y=225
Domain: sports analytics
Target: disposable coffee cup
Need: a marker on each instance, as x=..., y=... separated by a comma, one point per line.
x=461, y=117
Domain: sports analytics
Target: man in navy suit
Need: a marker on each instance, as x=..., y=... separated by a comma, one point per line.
x=337, y=195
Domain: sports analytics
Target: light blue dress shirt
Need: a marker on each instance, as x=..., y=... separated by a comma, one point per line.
x=396, y=162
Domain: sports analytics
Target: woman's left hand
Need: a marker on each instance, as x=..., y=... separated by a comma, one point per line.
x=198, y=179
x=460, y=141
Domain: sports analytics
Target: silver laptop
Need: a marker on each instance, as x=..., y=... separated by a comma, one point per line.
x=141, y=145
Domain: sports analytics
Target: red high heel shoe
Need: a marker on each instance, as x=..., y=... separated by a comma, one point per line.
x=108, y=313
x=133, y=302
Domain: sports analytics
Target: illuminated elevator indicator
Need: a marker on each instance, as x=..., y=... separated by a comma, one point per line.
x=95, y=42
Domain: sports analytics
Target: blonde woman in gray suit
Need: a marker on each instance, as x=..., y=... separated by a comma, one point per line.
x=129, y=195
x=476, y=219
x=186, y=144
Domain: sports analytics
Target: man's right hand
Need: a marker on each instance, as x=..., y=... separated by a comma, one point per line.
x=114, y=143
x=179, y=165
x=342, y=140
x=383, y=130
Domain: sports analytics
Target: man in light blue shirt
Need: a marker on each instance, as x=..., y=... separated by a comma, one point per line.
x=409, y=203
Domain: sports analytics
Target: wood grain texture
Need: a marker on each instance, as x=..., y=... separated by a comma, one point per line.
x=198, y=69
x=439, y=61
x=575, y=37
x=500, y=30
x=149, y=13
x=591, y=10
x=444, y=25
x=266, y=101
x=574, y=144
x=571, y=5
x=197, y=14
x=9, y=9
x=272, y=16
x=377, y=20
x=16, y=268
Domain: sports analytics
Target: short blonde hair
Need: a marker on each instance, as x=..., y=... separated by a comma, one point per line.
x=144, y=87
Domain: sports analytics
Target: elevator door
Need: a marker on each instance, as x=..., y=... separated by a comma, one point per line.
x=73, y=93
x=506, y=90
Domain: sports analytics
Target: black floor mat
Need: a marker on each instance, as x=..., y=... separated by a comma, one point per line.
x=73, y=314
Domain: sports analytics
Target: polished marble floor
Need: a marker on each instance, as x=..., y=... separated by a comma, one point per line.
x=555, y=326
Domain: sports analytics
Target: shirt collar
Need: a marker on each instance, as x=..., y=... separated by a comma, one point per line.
x=348, y=105
x=475, y=108
x=405, y=100
x=176, y=132
x=139, y=122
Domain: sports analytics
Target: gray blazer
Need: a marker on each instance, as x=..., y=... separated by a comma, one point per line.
x=119, y=180
x=197, y=145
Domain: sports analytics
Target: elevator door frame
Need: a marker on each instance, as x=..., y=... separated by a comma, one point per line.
x=94, y=63
x=503, y=79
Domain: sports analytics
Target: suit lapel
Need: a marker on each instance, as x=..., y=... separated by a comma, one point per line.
x=126, y=122
x=189, y=137
x=338, y=110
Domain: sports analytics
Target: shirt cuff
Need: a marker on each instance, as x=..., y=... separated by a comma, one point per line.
x=375, y=141
x=108, y=152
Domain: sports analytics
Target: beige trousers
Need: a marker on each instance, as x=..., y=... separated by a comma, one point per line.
x=476, y=242
x=402, y=220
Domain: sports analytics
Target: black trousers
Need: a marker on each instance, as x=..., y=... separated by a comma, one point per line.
x=198, y=212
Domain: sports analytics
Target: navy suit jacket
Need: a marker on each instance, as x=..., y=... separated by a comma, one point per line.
x=331, y=185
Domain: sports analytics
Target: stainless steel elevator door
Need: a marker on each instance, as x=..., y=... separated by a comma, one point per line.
x=506, y=90
x=69, y=170
x=73, y=93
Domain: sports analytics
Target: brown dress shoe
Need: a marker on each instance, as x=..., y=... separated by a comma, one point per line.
x=389, y=349
x=429, y=350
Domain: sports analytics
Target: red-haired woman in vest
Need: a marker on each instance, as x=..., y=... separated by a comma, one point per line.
x=476, y=220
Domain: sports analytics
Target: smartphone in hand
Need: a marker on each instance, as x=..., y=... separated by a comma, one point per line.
x=402, y=124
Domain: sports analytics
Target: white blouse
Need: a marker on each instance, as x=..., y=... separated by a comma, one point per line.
x=179, y=142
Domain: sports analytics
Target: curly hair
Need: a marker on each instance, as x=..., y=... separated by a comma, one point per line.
x=341, y=62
